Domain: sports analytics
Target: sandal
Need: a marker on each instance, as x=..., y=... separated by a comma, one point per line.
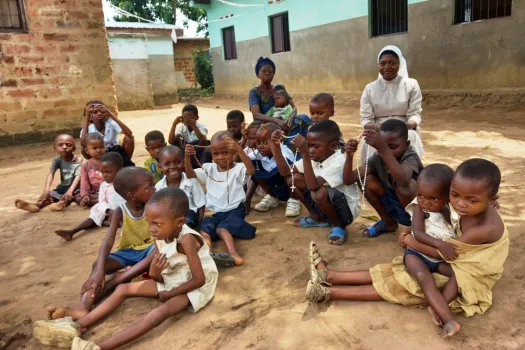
x=375, y=230
x=316, y=293
x=80, y=344
x=337, y=232
x=223, y=260
x=308, y=222
x=59, y=333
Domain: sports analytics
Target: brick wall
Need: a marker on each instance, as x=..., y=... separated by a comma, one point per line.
x=184, y=60
x=49, y=73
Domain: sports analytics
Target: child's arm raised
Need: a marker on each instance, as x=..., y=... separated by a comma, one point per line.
x=87, y=118
x=189, y=247
x=275, y=147
x=351, y=176
x=189, y=152
x=235, y=147
x=96, y=280
x=172, y=138
x=313, y=183
x=193, y=125
x=401, y=175
x=125, y=130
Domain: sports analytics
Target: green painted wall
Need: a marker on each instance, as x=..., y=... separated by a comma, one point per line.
x=253, y=22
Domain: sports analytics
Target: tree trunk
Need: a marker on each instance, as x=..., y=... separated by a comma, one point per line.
x=175, y=5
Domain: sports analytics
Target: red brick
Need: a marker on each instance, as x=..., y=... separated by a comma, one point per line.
x=36, y=81
x=55, y=112
x=78, y=15
x=46, y=49
x=10, y=106
x=48, y=70
x=60, y=59
x=56, y=37
x=22, y=93
x=7, y=59
x=26, y=59
x=9, y=83
x=60, y=80
x=5, y=36
x=46, y=93
x=51, y=13
x=65, y=103
x=23, y=71
x=69, y=48
x=16, y=49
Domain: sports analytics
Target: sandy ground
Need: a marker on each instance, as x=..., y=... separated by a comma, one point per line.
x=261, y=305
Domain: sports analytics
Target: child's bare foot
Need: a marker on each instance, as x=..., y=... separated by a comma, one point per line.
x=20, y=204
x=58, y=206
x=238, y=259
x=75, y=312
x=450, y=328
x=435, y=318
x=65, y=234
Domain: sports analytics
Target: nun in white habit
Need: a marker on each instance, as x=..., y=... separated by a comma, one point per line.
x=392, y=96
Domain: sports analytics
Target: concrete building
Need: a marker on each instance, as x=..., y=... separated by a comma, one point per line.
x=184, y=59
x=143, y=64
x=452, y=46
x=54, y=58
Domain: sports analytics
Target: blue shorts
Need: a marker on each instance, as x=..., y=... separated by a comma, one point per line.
x=338, y=199
x=432, y=265
x=191, y=219
x=277, y=184
x=394, y=208
x=232, y=220
x=129, y=256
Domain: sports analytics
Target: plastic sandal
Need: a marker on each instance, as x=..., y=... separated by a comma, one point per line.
x=308, y=222
x=375, y=230
x=223, y=259
x=337, y=232
x=317, y=293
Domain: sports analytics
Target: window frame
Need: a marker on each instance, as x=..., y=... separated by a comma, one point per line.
x=373, y=18
x=21, y=17
x=234, y=43
x=463, y=5
x=287, y=47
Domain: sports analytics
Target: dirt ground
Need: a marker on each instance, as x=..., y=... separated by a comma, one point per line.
x=261, y=305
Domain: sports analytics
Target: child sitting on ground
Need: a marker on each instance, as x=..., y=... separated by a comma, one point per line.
x=108, y=198
x=183, y=274
x=90, y=175
x=98, y=118
x=134, y=248
x=321, y=107
x=235, y=123
x=68, y=190
x=282, y=109
x=318, y=181
x=249, y=144
x=224, y=180
x=267, y=174
x=154, y=143
x=391, y=175
x=172, y=165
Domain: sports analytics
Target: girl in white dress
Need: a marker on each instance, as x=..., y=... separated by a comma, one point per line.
x=392, y=96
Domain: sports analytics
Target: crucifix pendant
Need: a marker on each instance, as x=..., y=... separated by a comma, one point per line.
x=292, y=188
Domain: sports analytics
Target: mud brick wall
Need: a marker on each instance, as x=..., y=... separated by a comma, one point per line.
x=184, y=60
x=48, y=73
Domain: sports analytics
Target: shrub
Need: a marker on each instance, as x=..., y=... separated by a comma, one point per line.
x=202, y=69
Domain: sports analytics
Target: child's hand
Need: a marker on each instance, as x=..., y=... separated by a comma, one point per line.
x=232, y=145
x=300, y=143
x=84, y=201
x=375, y=140
x=244, y=130
x=411, y=125
x=105, y=111
x=277, y=136
x=67, y=197
x=265, y=132
x=158, y=264
x=351, y=146
x=448, y=250
x=164, y=296
x=94, y=283
x=371, y=126
x=189, y=150
x=401, y=239
x=177, y=120
x=189, y=122
x=44, y=197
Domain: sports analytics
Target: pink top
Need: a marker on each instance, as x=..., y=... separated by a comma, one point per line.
x=90, y=178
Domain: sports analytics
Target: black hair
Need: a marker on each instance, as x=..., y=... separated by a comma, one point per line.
x=255, y=124
x=113, y=158
x=219, y=136
x=94, y=102
x=325, y=98
x=235, y=115
x=64, y=135
x=481, y=169
x=388, y=52
x=176, y=199
x=92, y=136
x=190, y=108
x=440, y=173
x=285, y=94
x=170, y=149
x=395, y=126
x=129, y=179
x=272, y=127
x=328, y=127
x=154, y=135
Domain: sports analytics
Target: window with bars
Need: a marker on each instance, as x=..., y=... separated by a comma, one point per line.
x=280, y=33
x=476, y=10
x=230, y=47
x=389, y=17
x=12, y=16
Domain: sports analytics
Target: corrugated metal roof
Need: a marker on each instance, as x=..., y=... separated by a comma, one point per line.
x=137, y=25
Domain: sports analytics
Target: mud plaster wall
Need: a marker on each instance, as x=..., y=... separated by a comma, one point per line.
x=49, y=73
x=448, y=60
x=184, y=60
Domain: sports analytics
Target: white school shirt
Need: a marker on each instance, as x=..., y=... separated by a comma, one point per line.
x=190, y=137
x=331, y=169
x=191, y=187
x=268, y=163
x=111, y=132
x=222, y=197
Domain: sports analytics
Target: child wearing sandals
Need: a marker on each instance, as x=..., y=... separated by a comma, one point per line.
x=391, y=175
x=68, y=190
x=224, y=180
x=172, y=165
x=318, y=180
x=108, y=198
x=134, y=247
x=183, y=276
x=90, y=175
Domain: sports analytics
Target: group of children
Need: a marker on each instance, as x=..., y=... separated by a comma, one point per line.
x=166, y=237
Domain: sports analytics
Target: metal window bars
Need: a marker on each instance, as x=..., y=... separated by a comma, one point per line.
x=477, y=10
x=389, y=17
x=12, y=16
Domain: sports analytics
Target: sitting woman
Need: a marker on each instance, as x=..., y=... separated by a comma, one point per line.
x=262, y=100
x=392, y=96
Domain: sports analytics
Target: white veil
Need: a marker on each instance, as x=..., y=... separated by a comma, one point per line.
x=403, y=69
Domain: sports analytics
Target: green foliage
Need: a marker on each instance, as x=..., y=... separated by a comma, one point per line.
x=203, y=69
x=161, y=11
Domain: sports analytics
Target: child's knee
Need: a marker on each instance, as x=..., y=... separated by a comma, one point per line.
x=320, y=195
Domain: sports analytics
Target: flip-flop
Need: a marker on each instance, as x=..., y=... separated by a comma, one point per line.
x=308, y=222
x=223, y=259
x=337, y=232
x=375, y=230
